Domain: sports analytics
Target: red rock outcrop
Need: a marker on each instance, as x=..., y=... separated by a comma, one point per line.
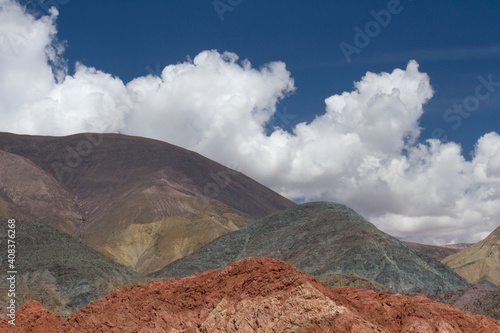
x=32, y=317
x=400, y=313
x=265, y=295
x=261, y=294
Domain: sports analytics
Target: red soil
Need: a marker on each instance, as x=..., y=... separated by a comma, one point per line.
x=32, y=317
x=263, y=295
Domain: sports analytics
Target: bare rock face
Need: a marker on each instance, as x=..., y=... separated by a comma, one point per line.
x=32, y=317
x=246, y=296
x=265, y=295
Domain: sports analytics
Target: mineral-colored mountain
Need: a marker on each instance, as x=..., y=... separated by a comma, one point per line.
x=263, y=295
x=101, y=188
x=320, y=238
x=437, y=252
x=58, y=270
x=476, y=299
x=480, y=261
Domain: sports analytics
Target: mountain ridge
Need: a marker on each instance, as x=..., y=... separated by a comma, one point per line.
x=118, y=182
x=480, y=261
x=318, y=238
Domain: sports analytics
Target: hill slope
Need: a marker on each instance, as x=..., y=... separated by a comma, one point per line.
x=57, y=270
x=119, y=183
x=320, y=238
x=29, y=192
x=260, y=295
x=480, y=261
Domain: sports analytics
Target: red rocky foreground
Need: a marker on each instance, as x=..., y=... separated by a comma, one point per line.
x=253, y=295
x=32, y=317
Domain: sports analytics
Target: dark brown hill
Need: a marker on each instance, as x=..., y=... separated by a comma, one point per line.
x=29, y=192
x=121, y=182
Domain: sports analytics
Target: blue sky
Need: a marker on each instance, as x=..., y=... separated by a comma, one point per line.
x=318, y=100
x=454, y=42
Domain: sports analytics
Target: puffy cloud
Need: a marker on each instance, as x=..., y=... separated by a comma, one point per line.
x=363, y=151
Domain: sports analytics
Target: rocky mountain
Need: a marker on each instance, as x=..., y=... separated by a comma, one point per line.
x=477, y=299
x=320, y=238
x=437, y=252
x=480, y=261
x=255, y=295
x=58, y=270
x=101, y=188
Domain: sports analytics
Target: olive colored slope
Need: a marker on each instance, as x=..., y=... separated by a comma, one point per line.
x=57, y=270
x=146, y=248
x=480, y=261
x=320, y=238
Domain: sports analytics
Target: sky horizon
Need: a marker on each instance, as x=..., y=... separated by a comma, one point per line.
x=390, y=107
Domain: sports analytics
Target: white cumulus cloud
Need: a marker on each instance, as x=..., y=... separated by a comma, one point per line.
x=362, y=151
